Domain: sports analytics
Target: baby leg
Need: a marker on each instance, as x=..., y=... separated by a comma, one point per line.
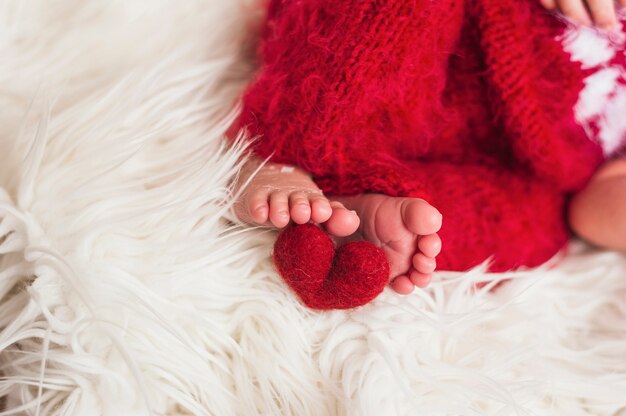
x=598, y=212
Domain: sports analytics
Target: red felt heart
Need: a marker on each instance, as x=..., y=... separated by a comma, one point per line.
x=325, y=278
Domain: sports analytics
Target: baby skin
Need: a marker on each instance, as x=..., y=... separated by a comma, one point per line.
x=405, y=228
x=598, y=212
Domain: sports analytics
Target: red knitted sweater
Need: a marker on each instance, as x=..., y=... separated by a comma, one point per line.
x=466, y=103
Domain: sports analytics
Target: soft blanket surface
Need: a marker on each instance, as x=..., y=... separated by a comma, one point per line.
x=126, y=290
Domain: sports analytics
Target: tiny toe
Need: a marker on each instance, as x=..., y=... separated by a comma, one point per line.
x=424, y=264
x=402, y=285
x=430, y=245
x=279, y=209
x=420, y=280
x=342, y=221
x=258, y=208
x=420, y=217
x=300, y=209
x=320, y=209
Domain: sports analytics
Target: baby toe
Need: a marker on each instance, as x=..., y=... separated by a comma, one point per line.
x=420, y=280
x=402, y=285
x=424, y=264
x=320, y=209
x=300, y=209
x=430, y=245
x=420, y=217
x=258, y=208
x=279, y=209
x=342, y=222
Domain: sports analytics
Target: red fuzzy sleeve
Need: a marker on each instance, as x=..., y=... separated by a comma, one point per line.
x=535, y=88
x=337, y=86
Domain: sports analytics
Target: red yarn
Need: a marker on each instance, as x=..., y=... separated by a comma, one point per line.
x=354, y=275
x=465, y=103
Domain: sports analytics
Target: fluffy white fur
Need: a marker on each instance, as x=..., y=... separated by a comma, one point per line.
x=125, y=290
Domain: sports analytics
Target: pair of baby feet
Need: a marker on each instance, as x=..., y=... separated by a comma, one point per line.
x=405, y=228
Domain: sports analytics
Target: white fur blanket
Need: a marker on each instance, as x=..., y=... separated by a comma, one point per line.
x=125, y=290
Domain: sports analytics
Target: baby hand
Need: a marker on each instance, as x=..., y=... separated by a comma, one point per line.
x=601, y=12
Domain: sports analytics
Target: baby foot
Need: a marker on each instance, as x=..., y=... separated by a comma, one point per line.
x=277, y=194
x=406, y=229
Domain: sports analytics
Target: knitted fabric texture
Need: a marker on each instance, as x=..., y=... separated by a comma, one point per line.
x=324, y=279
x=467, y=104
